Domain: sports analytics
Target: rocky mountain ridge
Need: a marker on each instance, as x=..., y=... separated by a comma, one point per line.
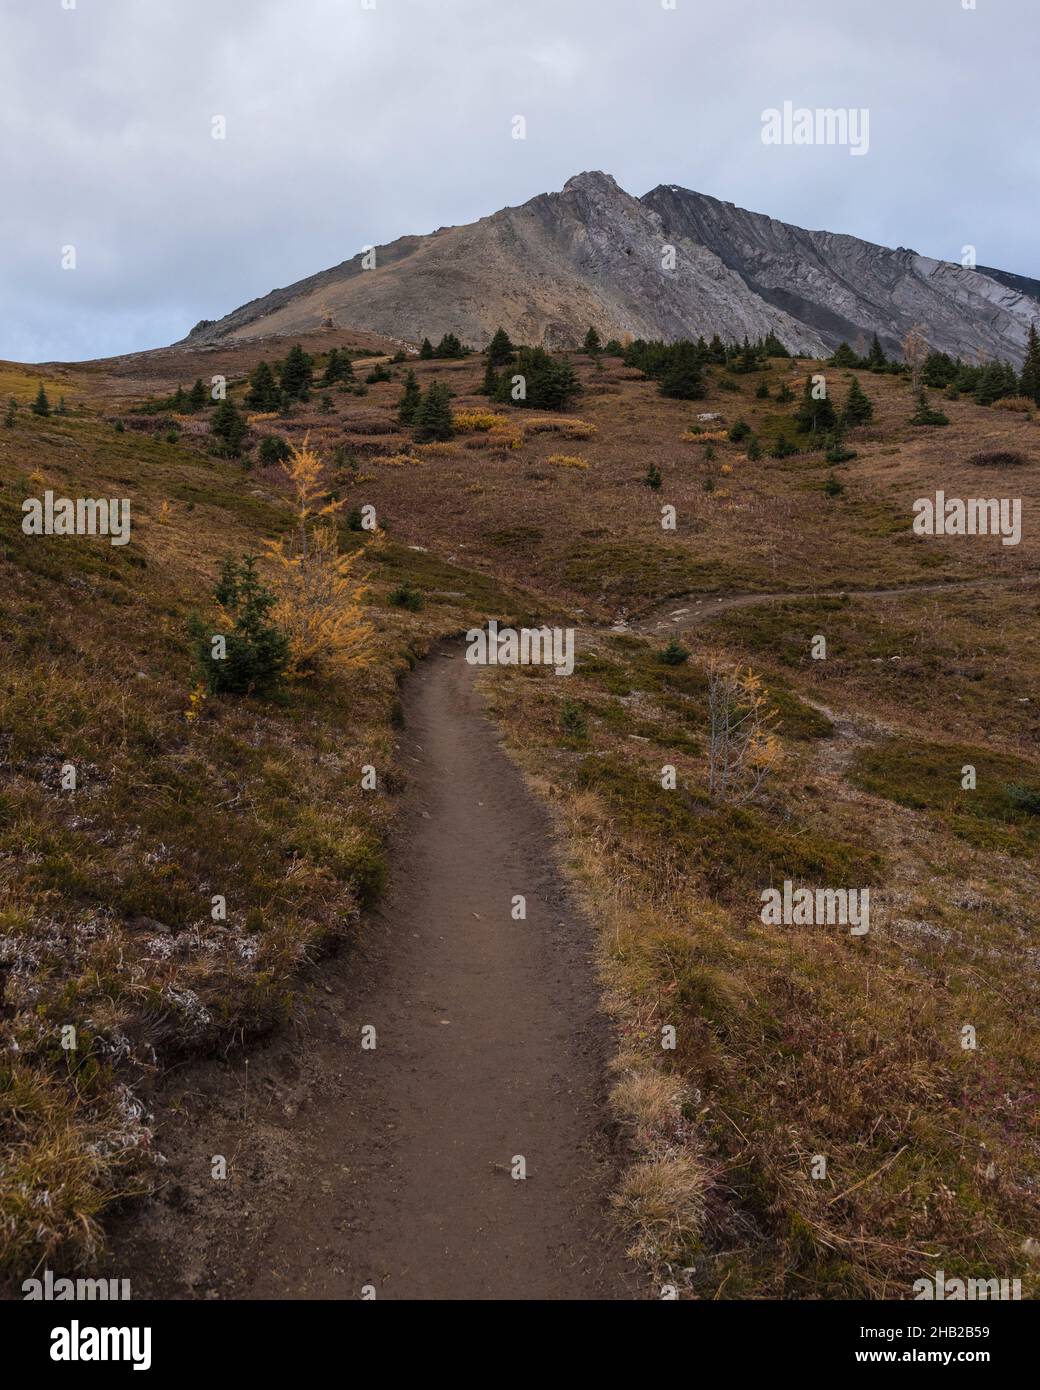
x=674, y=263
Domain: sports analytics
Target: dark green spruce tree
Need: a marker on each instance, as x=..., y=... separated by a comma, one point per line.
x=411, y=396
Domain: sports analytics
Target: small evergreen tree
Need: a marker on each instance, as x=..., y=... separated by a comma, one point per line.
x=256, y=652
x=1029, y=382
x=762, y=391
x=773, y=347
x=859, y=408
x=673, y=653
x=433, y=420
x=924, y=414
x=273, y=449
x=681, y=379
x=876, y=359
x=408, y=405
x=263, y=393
x=228, y=428
x=653, y=477
x=297, y=374
x=426, y=351
x=197, y=396
x=785, y=394
x=844, y=357
x=41, y=405
x=592, y=344
x=489, y=386
x=331, y=373
x=10, y=412
x=815, y=414
x=500, y=350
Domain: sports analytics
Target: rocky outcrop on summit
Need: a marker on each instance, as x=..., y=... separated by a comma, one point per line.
x=669, y=265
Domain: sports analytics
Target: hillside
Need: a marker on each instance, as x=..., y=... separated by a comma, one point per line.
x=593, y=253
x=791, y=1042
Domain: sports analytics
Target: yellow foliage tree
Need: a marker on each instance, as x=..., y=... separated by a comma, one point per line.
x=743, y=746
x=319, y=593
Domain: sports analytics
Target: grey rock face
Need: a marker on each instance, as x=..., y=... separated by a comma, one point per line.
x=669, y=265
x=849, y=289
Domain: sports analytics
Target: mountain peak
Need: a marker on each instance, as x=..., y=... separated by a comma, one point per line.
x=592, y=254
x=592, y=181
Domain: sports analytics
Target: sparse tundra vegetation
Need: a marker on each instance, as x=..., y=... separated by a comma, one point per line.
x=729, y=530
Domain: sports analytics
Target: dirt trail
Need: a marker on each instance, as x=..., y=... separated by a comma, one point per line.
x=682, y=613
x=392, y=1167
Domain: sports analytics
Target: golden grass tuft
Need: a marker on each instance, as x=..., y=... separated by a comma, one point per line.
x=570, y=427
x=663, y=1200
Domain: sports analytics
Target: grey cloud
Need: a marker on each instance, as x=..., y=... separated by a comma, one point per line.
x=348, y=126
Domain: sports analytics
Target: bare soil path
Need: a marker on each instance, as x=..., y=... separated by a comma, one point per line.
x=393, y=1167
x=686, y=611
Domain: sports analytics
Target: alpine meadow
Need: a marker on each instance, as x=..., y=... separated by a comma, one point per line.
x=520, y=750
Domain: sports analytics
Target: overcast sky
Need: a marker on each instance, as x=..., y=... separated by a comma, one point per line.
x=351, y=122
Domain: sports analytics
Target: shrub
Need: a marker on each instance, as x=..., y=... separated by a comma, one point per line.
x=653, y=477
x=406, y=596
x=572, y=719
x=1023, y=798
x=567, y=461
x=832, y=488
x=742, y=735
x=998, y=458
x=738, y=431
x=784, y=448
x=570, y=427
x=838, y=452
x=481, y=420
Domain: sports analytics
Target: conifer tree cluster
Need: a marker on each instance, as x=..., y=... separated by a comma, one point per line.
x=537, y=380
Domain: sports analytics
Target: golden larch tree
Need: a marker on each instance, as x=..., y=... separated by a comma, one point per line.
x=319, y=593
